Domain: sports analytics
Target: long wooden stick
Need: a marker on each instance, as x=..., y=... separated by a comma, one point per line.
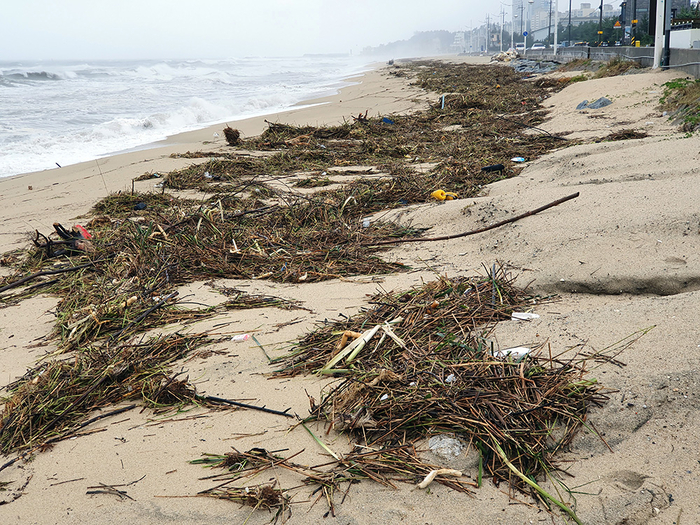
x=213, y=399
x=42, y=273
x=480, y=230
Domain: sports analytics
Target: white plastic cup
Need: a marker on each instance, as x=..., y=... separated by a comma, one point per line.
x=240, y=338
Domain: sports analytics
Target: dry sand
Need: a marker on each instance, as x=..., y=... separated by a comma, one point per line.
x=622, y=257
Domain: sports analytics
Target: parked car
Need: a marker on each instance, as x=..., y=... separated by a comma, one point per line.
x=538, y=45
x=520, y=47
x=581, y=44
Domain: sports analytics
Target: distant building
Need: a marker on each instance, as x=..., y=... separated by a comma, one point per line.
x=459, y=44
x=541, y=17
x=587, y=13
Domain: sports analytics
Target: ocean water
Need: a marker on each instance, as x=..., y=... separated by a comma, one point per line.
x=67, y=112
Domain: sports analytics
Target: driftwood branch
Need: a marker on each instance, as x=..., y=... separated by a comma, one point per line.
x=42, y=273
x=480, y=230
x=213, y=399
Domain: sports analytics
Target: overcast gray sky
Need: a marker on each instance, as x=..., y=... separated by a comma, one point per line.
x=94, y=29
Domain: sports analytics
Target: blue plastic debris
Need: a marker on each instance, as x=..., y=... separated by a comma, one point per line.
x=596, y=104
x=387, y=120
x=600, y=103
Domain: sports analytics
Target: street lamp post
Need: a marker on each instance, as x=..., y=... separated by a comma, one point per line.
x=529, y=19
x=522, y=8
x=513, y=16
x=503, y=21
x=569, y=22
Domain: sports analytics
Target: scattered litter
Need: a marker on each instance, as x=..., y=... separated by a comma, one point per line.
x=240, y=338
x=534, y=66
x=505, y=56
x=82, y=231
x=600, y=103
x=446, y=446
x=384, y=397
x=523, y=316
x=517, y=352
x=140, y=206
x=596, y=104
x=365, y=223
x=443, y=195
x=518, y=159
x=387, y=120
x=439, y=472
x=71, y=242
x=450, y=378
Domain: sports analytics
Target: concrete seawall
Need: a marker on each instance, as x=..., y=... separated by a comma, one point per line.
x=686, y=60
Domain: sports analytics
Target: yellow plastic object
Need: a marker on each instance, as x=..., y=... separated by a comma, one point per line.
x=439, y=195
x=443, y=195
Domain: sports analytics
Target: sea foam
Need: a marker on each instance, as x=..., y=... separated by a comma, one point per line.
x=69, y=112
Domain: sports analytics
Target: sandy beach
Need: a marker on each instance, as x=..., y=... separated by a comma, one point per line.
x=621, y=259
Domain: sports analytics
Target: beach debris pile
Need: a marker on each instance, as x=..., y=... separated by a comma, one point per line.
x=419, y=363
x=424, y=365
x=484, y=115
x=256, y=218
x=56, y=399
x=624, y=134
x=505, y=56
x=233, y=136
